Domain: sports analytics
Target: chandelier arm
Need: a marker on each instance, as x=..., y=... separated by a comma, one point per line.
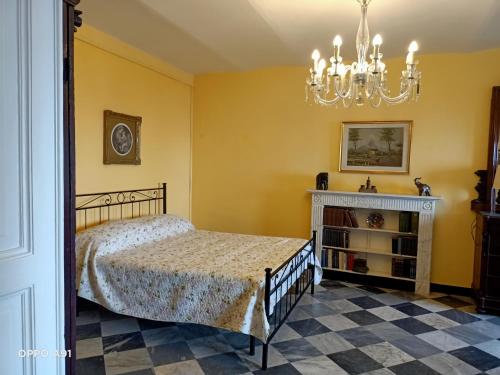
x=338, y=96
x=375, y=101
x=396, y=99
x=348, y=102
x=340, y=91
x=325, y=101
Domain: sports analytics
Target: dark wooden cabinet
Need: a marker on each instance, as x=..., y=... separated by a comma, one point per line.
x=486, y=281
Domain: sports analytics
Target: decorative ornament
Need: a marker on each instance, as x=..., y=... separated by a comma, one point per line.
x=375, y=220
x=368, y=188
x=423, y=189
x=360, y=265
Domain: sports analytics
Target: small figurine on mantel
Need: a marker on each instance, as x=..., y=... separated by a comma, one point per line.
x=368, y=188
x=423, y=189
x=322, y=181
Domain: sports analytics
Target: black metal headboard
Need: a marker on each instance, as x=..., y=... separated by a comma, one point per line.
x=97, y=208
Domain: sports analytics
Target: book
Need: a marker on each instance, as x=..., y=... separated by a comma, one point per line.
x=338, y=258
x=335, y=237
x=405, y=221
x=412, y=269
x=395, y=246
x=347, y=219
x=414, y=223
x=324, y=258
x=397, y=267
x=404, y=268
x=327, y=215
x=335, y=263
x=408, y=222
x=339, y=217
x=341, y=260
x=350, y=261
x=353, y=218
x=405, y=245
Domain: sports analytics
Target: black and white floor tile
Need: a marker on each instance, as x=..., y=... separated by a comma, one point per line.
x=342, y=329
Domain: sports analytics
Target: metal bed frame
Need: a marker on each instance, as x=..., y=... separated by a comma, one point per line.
x=284, y=286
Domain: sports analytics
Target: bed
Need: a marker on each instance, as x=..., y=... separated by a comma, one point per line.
x=135, y=259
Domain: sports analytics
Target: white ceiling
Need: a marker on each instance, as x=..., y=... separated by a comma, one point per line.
x=202, y=36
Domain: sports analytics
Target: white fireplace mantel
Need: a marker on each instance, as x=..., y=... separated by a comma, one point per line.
x=424, y=205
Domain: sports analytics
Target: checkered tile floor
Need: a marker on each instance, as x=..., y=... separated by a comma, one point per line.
x=342, y=329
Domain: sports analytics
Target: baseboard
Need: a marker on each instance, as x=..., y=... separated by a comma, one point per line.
x=382, y=282
x=387, y=282
x=451, y=289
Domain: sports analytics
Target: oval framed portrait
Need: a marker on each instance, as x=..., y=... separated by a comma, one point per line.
x=121, y=138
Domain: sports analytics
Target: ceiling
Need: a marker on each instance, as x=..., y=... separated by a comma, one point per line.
x=202, y=36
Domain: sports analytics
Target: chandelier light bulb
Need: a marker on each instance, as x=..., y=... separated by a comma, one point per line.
x=413, y=47
x=377, y=40
x=337, y=41
x=315, y=55
x=321, y=67
x=341, y=70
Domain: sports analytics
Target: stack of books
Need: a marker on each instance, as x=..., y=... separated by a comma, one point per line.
x=404, y=268
x=339, y=217
x=405, y=245
x=343, y=260
x=335, y=237
x=408, y=222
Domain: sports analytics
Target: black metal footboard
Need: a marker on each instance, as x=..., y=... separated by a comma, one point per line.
x=283, y=289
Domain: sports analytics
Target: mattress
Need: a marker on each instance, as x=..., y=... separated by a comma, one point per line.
x=162, y=268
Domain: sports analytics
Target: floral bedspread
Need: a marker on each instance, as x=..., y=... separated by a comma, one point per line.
x=161, y=268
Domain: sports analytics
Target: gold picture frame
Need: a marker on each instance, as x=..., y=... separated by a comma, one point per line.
x=375, y=146
x=122, y=138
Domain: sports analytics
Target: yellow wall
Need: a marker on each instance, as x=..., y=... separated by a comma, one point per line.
x=112, y=75
x=257, y=147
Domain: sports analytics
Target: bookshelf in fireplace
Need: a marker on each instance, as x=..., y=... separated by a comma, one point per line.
x=400, y=249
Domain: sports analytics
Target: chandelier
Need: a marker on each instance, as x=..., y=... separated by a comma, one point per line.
x=361, y=81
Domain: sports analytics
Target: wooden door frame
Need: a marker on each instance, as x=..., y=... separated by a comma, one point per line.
x=70, y=21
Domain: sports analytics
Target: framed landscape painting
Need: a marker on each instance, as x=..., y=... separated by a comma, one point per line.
x=375, y=146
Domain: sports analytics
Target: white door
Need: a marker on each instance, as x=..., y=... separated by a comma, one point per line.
x=31, y=255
